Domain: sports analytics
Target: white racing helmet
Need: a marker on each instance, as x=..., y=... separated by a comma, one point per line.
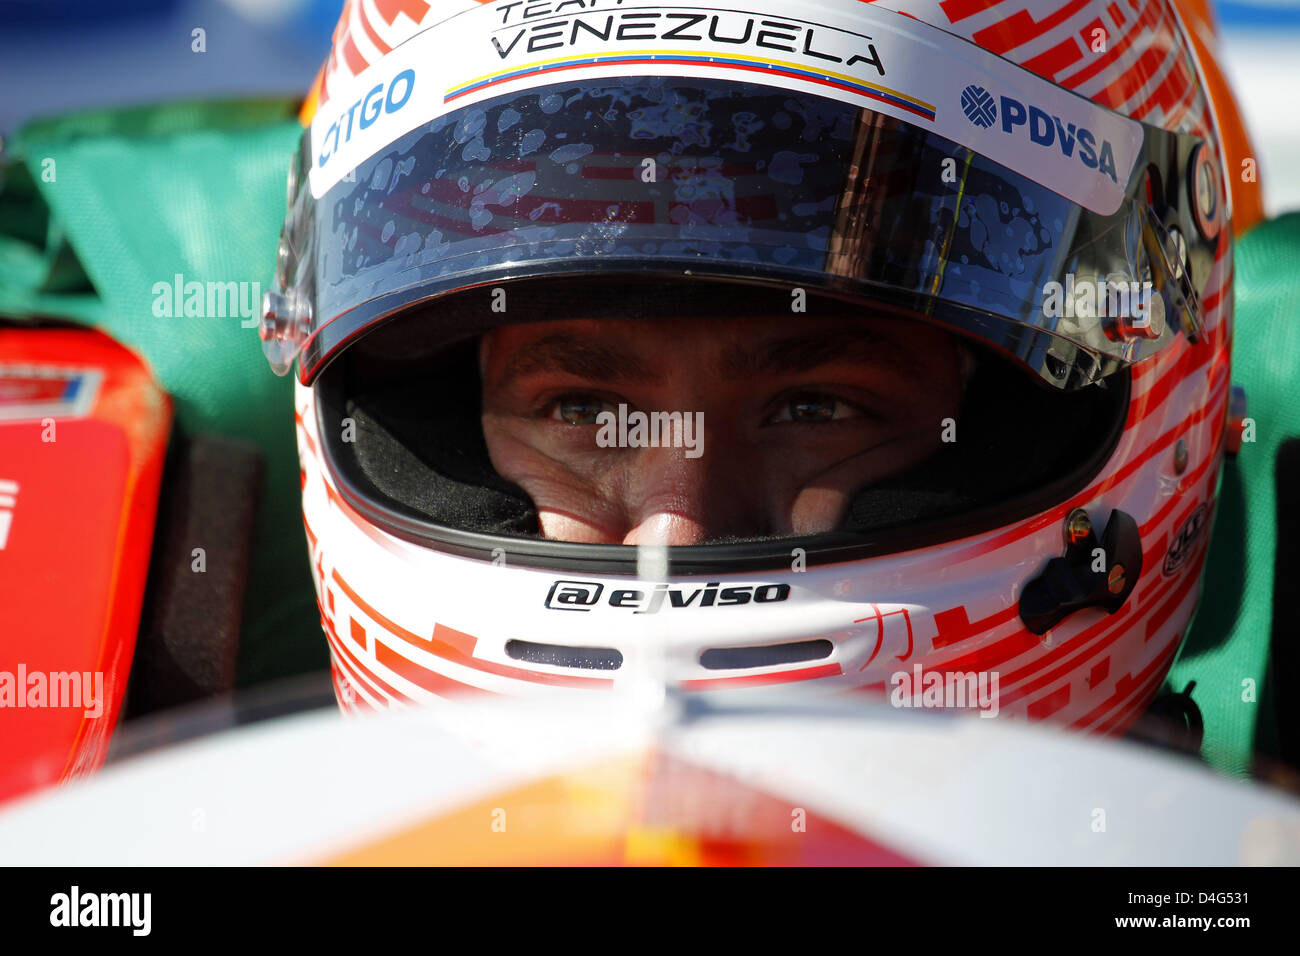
x=470, y=167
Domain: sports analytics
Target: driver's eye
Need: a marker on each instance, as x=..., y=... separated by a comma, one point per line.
x=813, y=408
x=578, y=410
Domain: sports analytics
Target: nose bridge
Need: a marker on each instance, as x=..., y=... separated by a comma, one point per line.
x=678, y=497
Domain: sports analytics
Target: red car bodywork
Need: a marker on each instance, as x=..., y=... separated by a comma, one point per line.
x=83, y=435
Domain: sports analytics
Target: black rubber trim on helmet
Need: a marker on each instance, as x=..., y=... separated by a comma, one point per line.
x=943, y=500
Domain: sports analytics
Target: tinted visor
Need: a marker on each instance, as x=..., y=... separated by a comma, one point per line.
x=674, y=178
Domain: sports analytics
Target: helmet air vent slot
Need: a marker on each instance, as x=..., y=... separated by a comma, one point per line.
x=560, y=655
x=767, y=655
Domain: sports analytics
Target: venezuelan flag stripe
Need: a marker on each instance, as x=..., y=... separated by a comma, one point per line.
x=658, y=58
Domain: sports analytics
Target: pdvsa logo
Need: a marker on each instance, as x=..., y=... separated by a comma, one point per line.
x=977, y=103
x=1045, y=130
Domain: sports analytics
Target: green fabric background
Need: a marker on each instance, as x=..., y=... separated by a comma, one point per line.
x=198, y=189
x=1229, y=640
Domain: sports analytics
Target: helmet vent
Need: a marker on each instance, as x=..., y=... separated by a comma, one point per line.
x=559, y=655
x=767, y=655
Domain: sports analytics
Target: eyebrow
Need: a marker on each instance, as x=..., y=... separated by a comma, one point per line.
x=565, y=352
x=598, y=361
x=802, y=353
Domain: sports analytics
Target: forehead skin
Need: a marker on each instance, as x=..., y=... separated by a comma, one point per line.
x=635, y=350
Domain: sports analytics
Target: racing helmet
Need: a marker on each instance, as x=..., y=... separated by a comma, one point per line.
x=1034, y=191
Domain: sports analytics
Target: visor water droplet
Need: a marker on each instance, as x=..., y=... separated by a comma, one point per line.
x=787, y=166
x=379, y=178
x=507, y=119
x=470, y=125
x=570, y=153
x=531, y=141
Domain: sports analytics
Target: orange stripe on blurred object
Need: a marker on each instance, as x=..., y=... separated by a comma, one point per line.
x=1247, y=197
x=649, y=809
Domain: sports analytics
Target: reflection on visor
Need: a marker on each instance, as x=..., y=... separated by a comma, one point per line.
x=666, y=176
